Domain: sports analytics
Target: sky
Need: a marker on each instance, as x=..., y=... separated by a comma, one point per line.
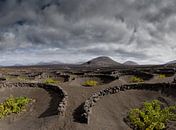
x=73, y=31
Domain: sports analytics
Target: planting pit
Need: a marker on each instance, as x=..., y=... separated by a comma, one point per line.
x=108, y=108
x=43, y=113
x=100, y=79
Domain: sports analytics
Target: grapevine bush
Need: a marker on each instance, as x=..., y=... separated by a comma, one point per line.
x=152, y=116
x=13, y=105
x=50, y=81
x=136, y=79
x=90, y=83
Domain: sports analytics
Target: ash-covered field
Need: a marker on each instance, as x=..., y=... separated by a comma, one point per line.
x=77, y=97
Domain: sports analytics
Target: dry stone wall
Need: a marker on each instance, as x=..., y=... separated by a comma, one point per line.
x=62, y=94
x=166, y=88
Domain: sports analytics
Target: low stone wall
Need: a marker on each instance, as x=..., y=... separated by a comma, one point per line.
x=174, y=81
x=63, y=103
x=141, y=74
x=165, y=88
x=166, y=71
x=63, y=95
x=104, y=78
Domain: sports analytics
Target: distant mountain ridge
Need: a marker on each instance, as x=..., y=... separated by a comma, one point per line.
x=102, y=61
x=49, y=63
x=130, y=63
x=172, y=62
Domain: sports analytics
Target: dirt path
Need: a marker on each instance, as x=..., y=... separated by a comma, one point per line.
x=77, y=96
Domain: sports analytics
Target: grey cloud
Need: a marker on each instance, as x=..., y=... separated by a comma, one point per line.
x=118, y=28
x=128, y=54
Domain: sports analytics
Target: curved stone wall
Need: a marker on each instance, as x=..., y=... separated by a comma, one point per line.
x=63, y=95
x=165, y=88
x=103, y=78
x=174, y=81
x=141, y=74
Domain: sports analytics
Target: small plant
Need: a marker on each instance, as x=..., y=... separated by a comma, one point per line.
x=22, y=79
x=90, y=83
x=152, y=116
x=136, y=79
x=13, y=105
x=50, y=81
x=162, y=76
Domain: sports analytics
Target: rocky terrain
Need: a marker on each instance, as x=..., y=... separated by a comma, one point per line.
x=63, y=102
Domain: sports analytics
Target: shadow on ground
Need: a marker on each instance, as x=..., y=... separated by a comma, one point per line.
x=53, y=105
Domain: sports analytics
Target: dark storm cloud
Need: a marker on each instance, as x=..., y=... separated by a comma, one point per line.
x=142, y=30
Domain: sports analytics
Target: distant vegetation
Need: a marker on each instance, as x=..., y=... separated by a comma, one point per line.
x=162, y=76
x=22, y=78
x=136, y=79
x=50, y=81
x=13, y=105
x=90, y=83
x=18, y=78
x=152, y=116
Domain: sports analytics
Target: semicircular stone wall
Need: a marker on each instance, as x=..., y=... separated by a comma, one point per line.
x=62, y=94
x=165, y=88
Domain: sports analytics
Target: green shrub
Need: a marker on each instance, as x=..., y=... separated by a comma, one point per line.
x=90, y=83
x=152, y=116
x=22, y=79
x=136, y=79
x=13, y=105
x=162, y=76
x=50, y=81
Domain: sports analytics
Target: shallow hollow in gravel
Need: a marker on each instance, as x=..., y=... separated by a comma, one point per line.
x=110, y=111
x=41, y=114
x=100, y=79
